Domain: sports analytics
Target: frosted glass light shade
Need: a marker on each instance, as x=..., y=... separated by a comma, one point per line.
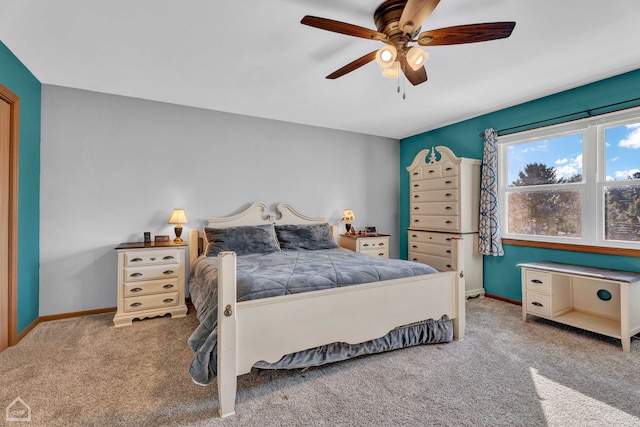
x=416, y=57
x=392, y=72
x=386, y=56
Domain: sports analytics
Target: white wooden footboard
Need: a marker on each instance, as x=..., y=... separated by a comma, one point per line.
x=267, y=329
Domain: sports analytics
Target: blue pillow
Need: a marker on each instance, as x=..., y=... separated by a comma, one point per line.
x=243, y=240
x=307, y=236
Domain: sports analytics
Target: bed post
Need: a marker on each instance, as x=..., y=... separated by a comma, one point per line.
x=460, y=292
x=227, y=372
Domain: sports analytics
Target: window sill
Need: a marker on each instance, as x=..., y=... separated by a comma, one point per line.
x=575, y=248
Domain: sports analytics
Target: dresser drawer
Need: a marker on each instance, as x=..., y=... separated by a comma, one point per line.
x=435, y=184
x=430, y=249
x=371, y=243
x=136, y=274
x=449, y=169
x=435, y=208
x=538, y=281
x=538, y=304
x=150, y=287
x=448, y=195
x=430, y=237
x=154, y=257
x=147, y=302
x=436, y=222
x=439, y=263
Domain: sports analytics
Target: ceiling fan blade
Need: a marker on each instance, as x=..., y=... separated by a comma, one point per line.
x=342, y=28
x=365, y=59
x=461, y=34
x=415, y=77
x=415, y=13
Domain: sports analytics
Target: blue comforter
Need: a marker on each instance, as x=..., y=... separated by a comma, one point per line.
x=288, y=272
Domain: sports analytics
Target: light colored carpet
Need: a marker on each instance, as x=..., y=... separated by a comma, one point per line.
x=506, y=372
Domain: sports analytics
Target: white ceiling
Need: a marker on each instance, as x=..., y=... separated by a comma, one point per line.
x=254, y=57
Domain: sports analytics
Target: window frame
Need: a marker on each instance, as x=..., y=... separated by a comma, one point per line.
x=593, y=177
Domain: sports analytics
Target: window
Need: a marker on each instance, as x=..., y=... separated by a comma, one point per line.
x=573, y=183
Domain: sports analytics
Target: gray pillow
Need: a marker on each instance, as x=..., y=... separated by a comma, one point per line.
x=308, y=236
x=243, y=240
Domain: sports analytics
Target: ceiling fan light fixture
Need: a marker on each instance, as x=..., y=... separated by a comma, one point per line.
x=386, y=56
x=391, y=72
x=416, y=58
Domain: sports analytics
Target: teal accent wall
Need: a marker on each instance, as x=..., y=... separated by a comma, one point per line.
x=15, y=76
x=501, y=276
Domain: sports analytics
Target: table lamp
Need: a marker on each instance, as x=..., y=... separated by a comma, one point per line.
x=347, y=217
x=178, y=217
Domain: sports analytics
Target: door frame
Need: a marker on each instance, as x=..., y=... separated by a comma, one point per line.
x=14, y=103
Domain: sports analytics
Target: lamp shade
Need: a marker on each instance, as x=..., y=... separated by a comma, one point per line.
x=348, y=215
x=416, y=58
x=386, y=56
x=391, y=72
x=178, y=217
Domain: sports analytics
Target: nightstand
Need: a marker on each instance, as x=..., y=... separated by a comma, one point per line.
x=371, y=244
x=150, y=281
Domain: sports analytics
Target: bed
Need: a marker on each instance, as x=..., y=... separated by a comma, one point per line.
x=282, y=321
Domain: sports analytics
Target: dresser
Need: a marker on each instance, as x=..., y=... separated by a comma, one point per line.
x=375, y=244
x=445, y=203
x=151, y=280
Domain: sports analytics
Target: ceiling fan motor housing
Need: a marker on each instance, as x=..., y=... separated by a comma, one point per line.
x=387, y=17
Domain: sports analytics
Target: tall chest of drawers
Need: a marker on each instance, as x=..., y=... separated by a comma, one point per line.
x=445, y=203
x=150, y=281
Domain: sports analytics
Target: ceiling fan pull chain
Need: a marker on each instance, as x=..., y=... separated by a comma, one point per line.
x=404, y=87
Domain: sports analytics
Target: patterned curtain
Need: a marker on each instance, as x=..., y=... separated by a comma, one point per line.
x=490, y=240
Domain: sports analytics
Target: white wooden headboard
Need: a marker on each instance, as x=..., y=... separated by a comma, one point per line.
x=256, y=214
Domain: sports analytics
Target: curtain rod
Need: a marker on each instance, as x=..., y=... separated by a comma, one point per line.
x=588, y=112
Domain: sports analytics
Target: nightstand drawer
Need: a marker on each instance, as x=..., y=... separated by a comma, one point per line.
x=370, y=243
x=164, y=256
x=538, y=304
x=134, y=274
x=380, y=252
x=538, y=281
x=146, y=302
x=150, y=287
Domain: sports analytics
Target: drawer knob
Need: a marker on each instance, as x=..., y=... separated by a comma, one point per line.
x=381, y=254
x=416, y=185
x=448, y=222
x=167, y=272
x=416, y=220
x=136, y=304
x=448, y=182
x=448, y=208
x=537, y=304
x=167, y=300
x=153, y=258
x=366, y=244
x=448, y=239
x=449, y=168
x=416, y=208
x=228, y=311
x=136, y=290
x=448, y=265
x=136, y=260
x=415, y=173
x=135, y=275
x=536, y=281
x=448, y=251
x=168, y=286
x=414, y=259
x=168, y=257
x=448, y=195
x=413, y=235
x=416, y=196
x=414, y=246
x=432, y=171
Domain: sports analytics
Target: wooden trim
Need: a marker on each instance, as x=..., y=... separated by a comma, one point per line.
x=14, y=102
x=603, y=250
x=499, y=298
x=60, y=316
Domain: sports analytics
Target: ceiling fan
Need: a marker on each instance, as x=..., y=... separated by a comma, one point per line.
x=398, y=23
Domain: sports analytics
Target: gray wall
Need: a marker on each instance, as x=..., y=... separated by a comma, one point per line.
x=114, y=167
